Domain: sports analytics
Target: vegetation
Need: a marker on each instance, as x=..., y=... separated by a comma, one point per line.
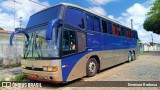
x=152, y=23
x=1, y=28
x=19, y=77
x=9, y=66
x=2, y=79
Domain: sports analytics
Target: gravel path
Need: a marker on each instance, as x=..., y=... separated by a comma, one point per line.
x=10, y=72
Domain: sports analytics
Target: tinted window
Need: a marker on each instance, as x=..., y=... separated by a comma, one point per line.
x=115, y=29
x=123, y=31
x=118, y=30
x=44, y=16
x=134, y=34
x=104, y=26
x=89, y=20
x=69, y=40
x=97, y=24
x=74, y=17
x=109, y=24
x=128, y=32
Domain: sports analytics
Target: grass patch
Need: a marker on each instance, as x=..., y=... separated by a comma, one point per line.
x=1, y=68
x=2, y=79
x=19, y=77
x=9, y=66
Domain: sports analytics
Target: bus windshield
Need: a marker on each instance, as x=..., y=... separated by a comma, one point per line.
x=40, y=48
x=45, y=16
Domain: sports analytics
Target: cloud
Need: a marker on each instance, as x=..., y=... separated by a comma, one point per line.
x=100, y=2
x=96, y=6
x=98, y=10
x=137, y=12
x=23, y=9
x=111, y=16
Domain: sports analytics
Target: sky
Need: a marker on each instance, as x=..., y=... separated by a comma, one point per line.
x=120, y=10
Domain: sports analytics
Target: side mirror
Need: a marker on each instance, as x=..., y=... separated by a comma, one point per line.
x=18, y=31
x=53, y=23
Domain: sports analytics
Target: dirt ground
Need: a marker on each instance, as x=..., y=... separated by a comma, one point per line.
x=145, y=68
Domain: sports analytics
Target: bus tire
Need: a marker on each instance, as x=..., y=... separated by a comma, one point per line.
x=129, y=57
x=92, y=67
x=133, y=56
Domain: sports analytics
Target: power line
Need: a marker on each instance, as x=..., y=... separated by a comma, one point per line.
x=38, y=3
x=83, y=5
x=103, y=6
x=15, y=10
x=16, y=1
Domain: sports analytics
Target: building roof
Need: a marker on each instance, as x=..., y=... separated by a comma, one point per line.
x=5, y=31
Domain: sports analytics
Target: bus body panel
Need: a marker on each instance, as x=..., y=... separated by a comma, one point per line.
x=107, y=59
x=111, y=52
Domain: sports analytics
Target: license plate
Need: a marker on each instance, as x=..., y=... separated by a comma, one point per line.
x=33, y=75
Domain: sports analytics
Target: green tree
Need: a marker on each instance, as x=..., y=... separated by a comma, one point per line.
x=1, y=28
x=152, y=23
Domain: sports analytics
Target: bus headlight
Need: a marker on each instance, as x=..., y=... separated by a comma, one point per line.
x=49, y=68
x=44, y=68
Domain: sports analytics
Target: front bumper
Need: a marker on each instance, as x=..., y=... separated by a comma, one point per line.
x=53, y=77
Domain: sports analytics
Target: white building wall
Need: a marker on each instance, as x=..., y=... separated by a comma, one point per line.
x=11, y=54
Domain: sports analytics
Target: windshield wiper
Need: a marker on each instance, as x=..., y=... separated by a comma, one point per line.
x=38, y=46
x=27, y=47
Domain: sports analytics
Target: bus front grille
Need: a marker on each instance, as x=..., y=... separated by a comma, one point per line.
x=35, y=69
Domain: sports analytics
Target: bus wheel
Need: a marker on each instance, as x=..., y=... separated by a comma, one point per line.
x=129, y=57
x=134, y=56
x=92, y=67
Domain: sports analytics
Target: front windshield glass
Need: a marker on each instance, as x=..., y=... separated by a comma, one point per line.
x=39, y=47
x=45, y=16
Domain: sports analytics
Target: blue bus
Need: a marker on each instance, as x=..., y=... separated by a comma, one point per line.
x=66, y=42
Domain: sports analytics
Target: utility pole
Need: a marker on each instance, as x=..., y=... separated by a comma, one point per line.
x=20, y=23
x=152, y=37
x=14, y=1
x=132, y=24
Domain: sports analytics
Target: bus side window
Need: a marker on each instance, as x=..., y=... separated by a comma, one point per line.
x=69, y=40
x=109, y=26
x=81, y=41
x=75, y=17
x=114, y=29
x=97, y=24
x=129, y=33
x=132, y=34
x=118, y=30
x=121, y=31
x=104, y=26
x=124, y=32
x=89, y=20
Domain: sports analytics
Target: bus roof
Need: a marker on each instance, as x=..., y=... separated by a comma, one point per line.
x=88, y=10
